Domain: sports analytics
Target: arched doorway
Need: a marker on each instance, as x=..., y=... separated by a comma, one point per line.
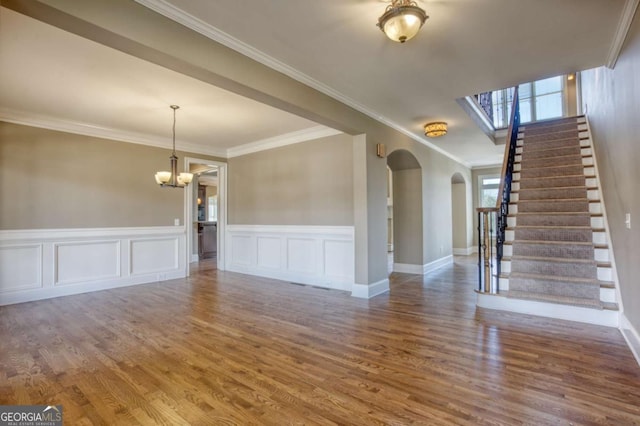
x=406, y=212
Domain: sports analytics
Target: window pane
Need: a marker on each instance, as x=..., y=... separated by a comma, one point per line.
x=549, y=106
x=549, y=85
x=525, y=110
x=490, y=181
x=489, y=197
x=524, y=91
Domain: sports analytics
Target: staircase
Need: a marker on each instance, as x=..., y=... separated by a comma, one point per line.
x=556, y=255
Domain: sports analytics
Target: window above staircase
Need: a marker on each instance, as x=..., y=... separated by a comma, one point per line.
x=540, y=100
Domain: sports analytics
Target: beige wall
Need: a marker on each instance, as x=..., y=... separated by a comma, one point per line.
x=611, y=99
x=51, y=179
x=459, y=212
x=309, y=183
x=407, y=216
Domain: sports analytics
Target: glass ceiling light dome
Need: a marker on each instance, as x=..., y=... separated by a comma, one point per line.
x=402, y=20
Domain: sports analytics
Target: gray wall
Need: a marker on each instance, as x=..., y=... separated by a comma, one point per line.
x=407, y=216
x=611, y=99
x=309, y=183
x=51, y=179
x=459, y=212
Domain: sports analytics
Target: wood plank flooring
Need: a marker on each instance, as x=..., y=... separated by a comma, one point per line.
x=221, y=349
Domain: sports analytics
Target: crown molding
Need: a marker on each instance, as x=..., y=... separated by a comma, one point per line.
x=282, y=140
x=626, y=19
x=52, y=123
x=178, y=15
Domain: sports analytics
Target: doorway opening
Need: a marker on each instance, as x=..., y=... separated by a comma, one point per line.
x=405, y=212
x=205, y=214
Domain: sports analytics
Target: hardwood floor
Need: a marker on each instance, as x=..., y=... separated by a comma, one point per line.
x=224, y=348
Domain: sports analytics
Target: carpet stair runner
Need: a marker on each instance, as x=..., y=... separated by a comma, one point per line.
x=550, y=253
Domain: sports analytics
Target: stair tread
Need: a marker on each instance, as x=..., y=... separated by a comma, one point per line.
x=513, y=228
x=551, y=177
x=602, y=284
x=552, y=200
x=553, y=242
x=552, y=214
x=558, y=278
x=553, y=259
x=552, y=188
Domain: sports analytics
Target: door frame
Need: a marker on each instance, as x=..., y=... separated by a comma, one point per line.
x=222, y=211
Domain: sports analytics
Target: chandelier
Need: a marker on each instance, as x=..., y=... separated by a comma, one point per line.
x=402, y=20
x=173, y=179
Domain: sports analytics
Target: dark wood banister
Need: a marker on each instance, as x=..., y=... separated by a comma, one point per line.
x=501, y=209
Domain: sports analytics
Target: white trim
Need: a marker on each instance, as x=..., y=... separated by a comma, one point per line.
x=133, y=258
x=603, y=210
x=367, y=291
x=407, y=268
x=550, y=310
x=178, y=15
x=303, y=135
x=322, y=256
x=626, y=19
x=631, y=335
x=52, y=123
x=222, y=213
x=463, y=252
x=437, y=264
x=75, y=233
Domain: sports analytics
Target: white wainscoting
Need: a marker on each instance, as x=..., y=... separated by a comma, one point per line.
x=39, y=264
x=317, y=255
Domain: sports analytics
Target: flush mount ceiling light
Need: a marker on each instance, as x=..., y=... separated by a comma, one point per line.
x=173, y=179
x=436, y=129
x=402, y=20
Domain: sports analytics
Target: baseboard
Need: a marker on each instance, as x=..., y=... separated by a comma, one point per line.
x=407, y=268
x=436, y=264
x=367, y=291
x=86, y=287
x=194, y=258
x=550, y=310
x=463, y=251
x=631, y=335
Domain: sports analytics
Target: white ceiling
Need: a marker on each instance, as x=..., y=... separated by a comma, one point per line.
x=466, y=46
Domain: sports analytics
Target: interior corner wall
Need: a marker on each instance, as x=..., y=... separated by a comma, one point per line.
x=611, y=100
x=52, y=180
x=309, y=183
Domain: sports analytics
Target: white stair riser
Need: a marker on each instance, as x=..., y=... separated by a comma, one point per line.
x=511, y=221
x=515, y=186
x=593, y=194
x=507, y=250
x=509, y=235
x=601, y=255
x=599, y=238
x=504, y=284
x=589, y=171
x=587, y=161
x=586, y=151
x=595, y=208
x=591, y=182
x=583, y=134
x=513, y=208
x=597, y=222
x=607, y=295
x=505, y=267
x=605, y=274
x=582, y=127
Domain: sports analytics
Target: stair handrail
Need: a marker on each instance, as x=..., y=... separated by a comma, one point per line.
x=506, y=177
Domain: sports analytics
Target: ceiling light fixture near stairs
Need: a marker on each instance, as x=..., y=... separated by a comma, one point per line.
x=435, y=129
x=402, y=20
x=173, y=179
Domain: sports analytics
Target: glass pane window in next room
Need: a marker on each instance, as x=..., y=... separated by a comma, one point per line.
x=489, y=186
